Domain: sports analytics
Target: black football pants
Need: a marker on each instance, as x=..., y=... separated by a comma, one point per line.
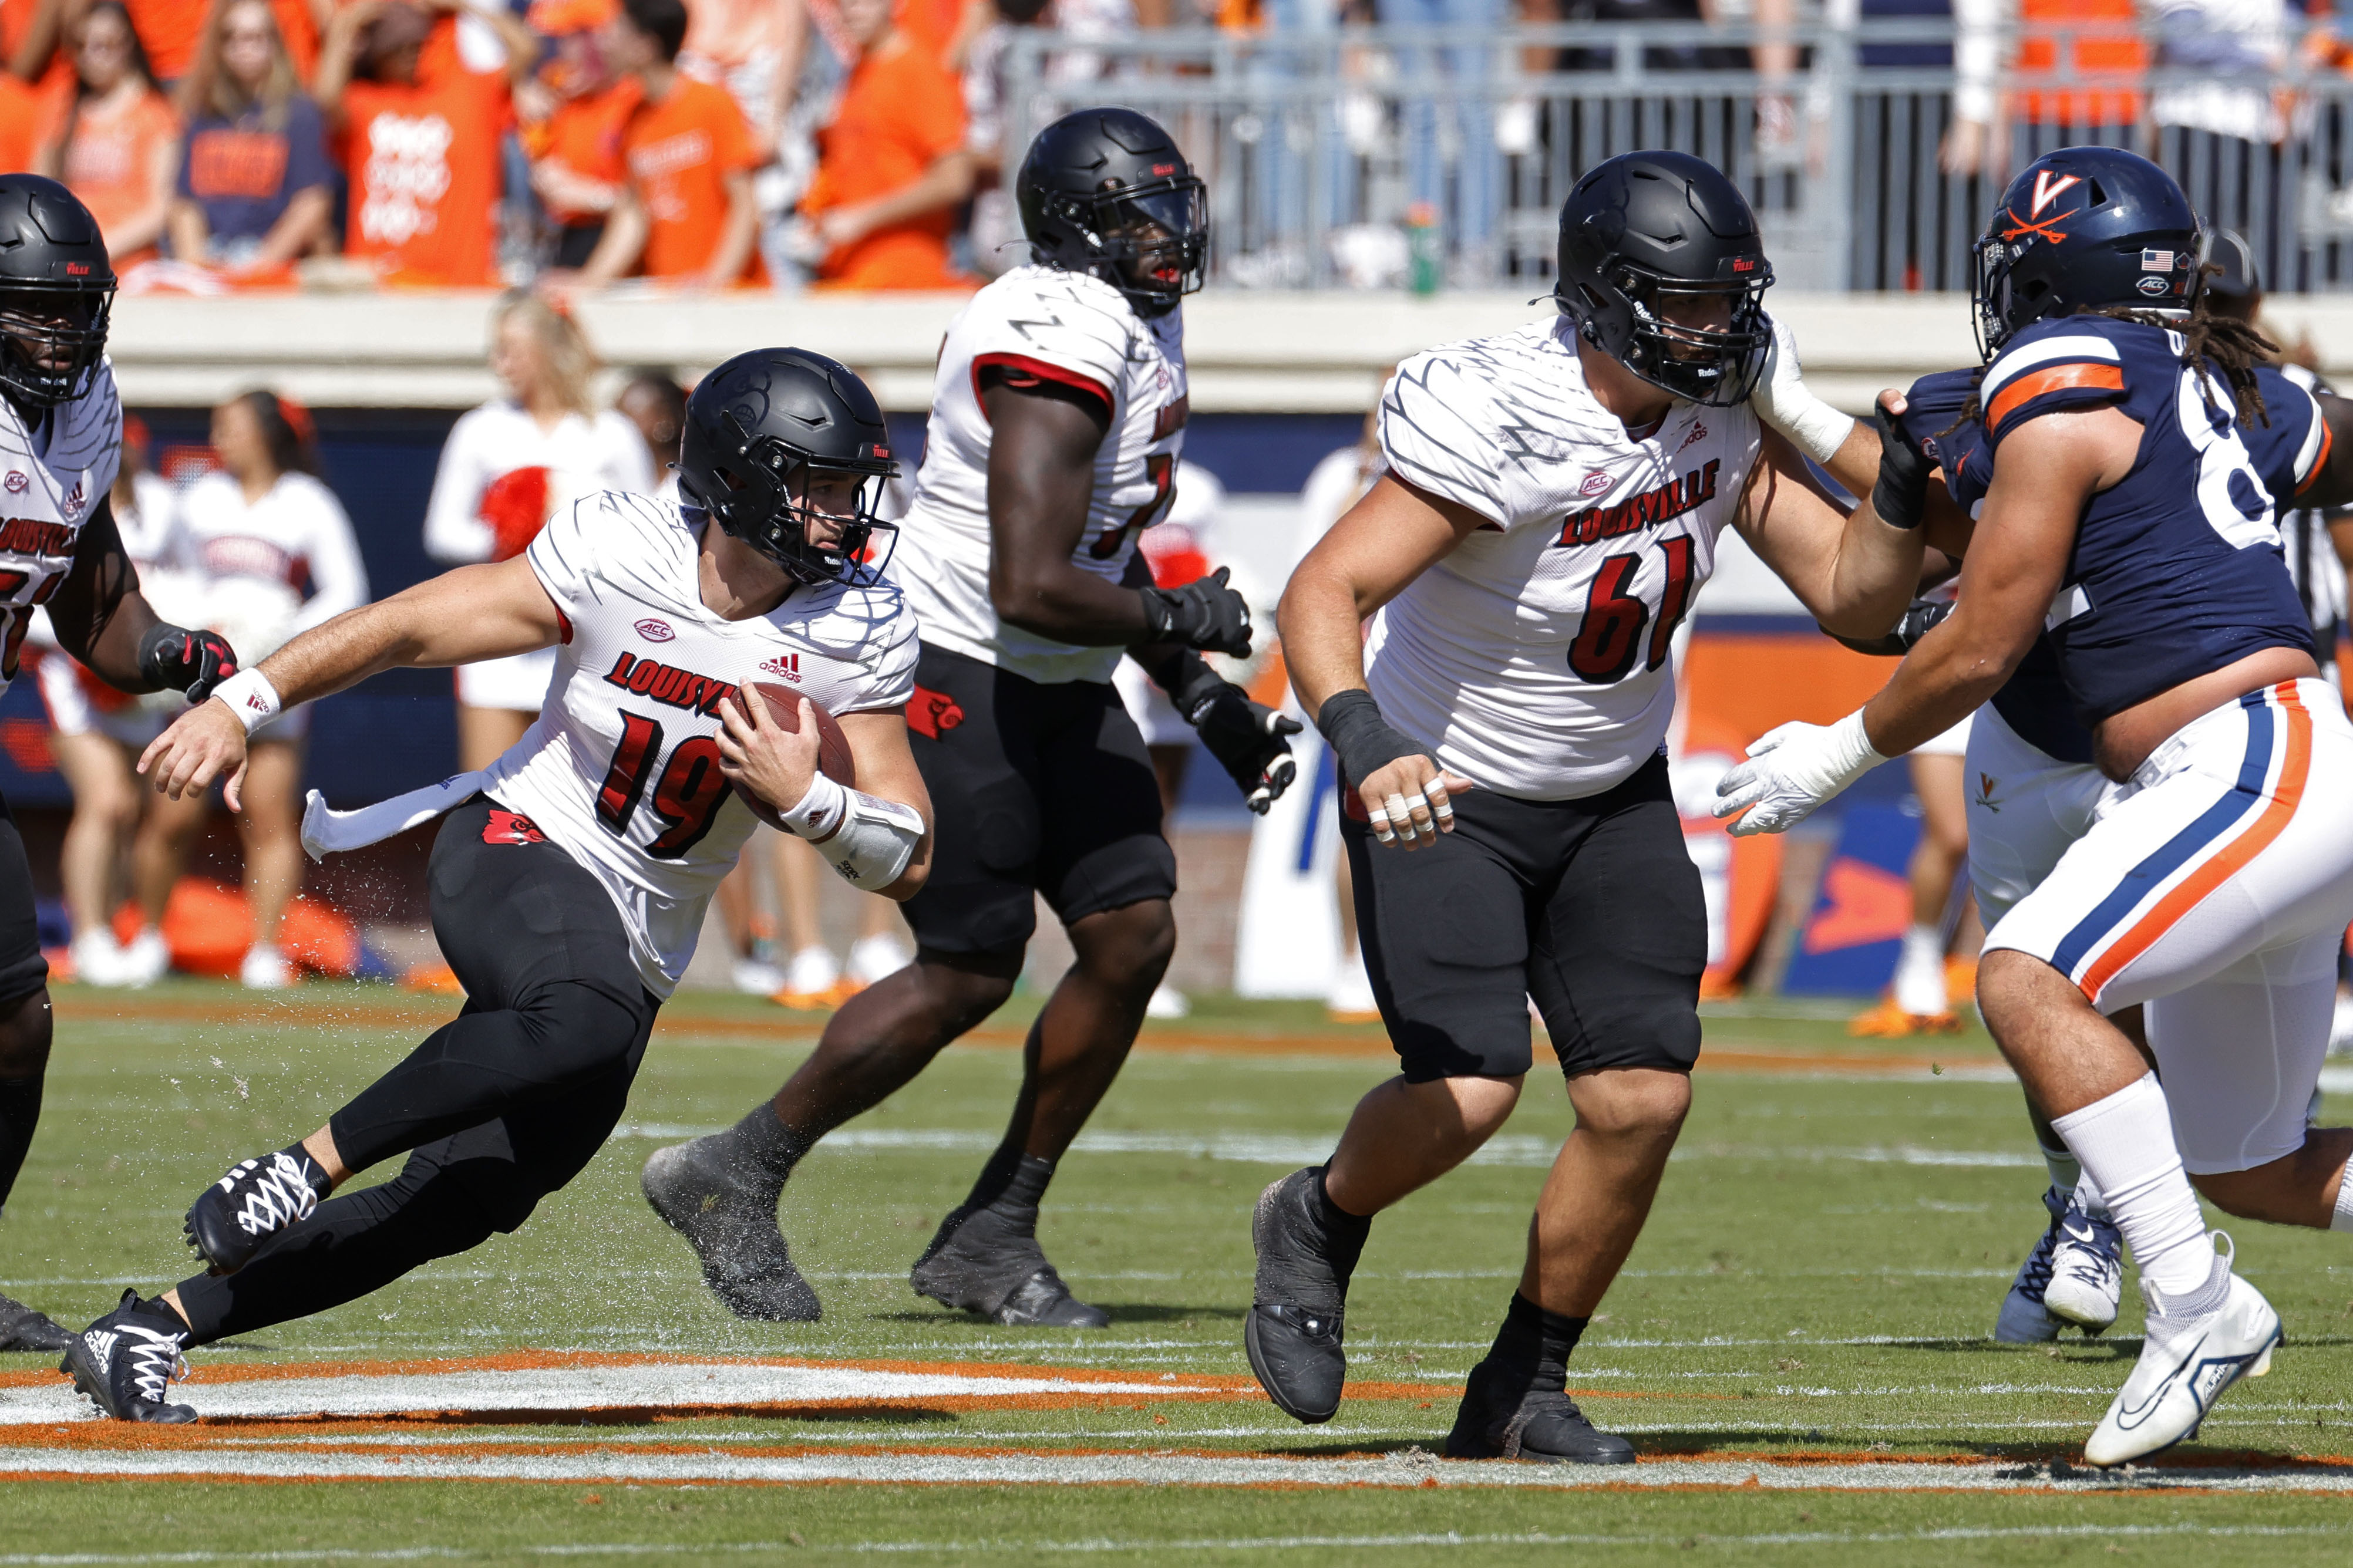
x=500, y=1107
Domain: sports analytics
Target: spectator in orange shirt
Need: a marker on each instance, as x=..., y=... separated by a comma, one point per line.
x=892, y=167
x=420, y=137
x=575, y=151
x=118, y=147
x=686, y=213
x=255, y=190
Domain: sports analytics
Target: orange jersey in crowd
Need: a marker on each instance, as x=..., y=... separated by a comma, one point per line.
x=111, y=163
x=170, y=30
x=424, y=168
x=301, y=31
x=584, y=136
x=2110, y=54
x=56, y=77
x=678, y=152
x=900, y=112
x=930, y=22
x=26, y=117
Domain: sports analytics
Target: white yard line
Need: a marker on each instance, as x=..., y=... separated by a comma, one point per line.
x=904, y=1467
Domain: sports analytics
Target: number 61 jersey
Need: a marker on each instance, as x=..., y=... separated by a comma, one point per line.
x=622, y=768
x=1535, y=658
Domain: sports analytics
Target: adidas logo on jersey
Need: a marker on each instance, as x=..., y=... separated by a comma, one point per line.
x=788, y=665
x=1648, y=509
x=669, y=685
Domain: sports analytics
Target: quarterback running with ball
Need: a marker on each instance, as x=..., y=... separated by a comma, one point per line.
x=1553, y=503
x=570, y=877
x=1058, y=417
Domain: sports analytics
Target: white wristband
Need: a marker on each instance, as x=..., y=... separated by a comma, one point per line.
x=819, y=815
x=251, y=697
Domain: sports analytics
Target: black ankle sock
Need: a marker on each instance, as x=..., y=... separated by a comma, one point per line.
x=1532, y=1348
x=1344, y=1233
x=20, y=1112
x=764, y=1146
x=312, y=1172
x=152, y=1313
x=1012, y=1182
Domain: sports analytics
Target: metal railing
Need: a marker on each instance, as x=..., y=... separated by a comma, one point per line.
x=1365, y=156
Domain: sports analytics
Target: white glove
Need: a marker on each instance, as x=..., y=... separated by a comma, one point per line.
x=1792, y=770
x=1782, y=401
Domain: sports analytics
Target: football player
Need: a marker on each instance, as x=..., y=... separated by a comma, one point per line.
x=60, y=439
x=1057, y=418
x=2211, y=878
x=1553, y=503
x=570, y=881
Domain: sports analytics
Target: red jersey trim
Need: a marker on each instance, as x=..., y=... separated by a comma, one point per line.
x=1035, y=370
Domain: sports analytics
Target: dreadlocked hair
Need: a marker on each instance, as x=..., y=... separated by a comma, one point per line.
x=2207, y=342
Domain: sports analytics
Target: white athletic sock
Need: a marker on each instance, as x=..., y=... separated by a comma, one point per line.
x=2066, y=1171
x=2343, y=1218
x=2088, y=1198
x=1920, y=972
x=2125, y=1144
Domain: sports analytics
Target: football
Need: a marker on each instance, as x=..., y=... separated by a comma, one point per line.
x=833, y=754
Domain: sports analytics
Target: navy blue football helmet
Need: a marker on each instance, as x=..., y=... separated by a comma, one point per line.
x=2084, y=227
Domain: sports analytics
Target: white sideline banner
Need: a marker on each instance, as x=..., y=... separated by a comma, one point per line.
x=1287, y=942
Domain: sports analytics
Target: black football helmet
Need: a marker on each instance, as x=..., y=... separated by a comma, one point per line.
x=57, y=292
x=1647, y=224
x=775, y=419
x=2085, y=227
x=1105, y=192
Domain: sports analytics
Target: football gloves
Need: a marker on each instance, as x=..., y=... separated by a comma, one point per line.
x=1903, y=488
x=184, y=660
x=1249, y=739
x=1201, y=615
x=1791, y=771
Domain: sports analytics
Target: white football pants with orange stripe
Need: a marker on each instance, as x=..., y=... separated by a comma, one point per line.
x=2215, y=885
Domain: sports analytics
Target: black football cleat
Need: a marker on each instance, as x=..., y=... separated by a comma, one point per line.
x=22, y=1327
x=256, y=1200
x=987, y=1260
x=1544, y=1426
x=125, y=1361
x=1295, y=1328
x=731, y=1225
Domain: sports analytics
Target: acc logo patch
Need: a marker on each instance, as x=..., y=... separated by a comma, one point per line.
x=654, y=630
x=2153, y=286
x=18, y=481
x=1594, y=485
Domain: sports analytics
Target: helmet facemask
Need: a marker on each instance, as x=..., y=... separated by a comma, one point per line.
x=52, y=336
x=1715, y=367
x=1150, y=242
x=775, y=503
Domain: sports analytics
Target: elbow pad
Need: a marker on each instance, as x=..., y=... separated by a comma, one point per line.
x=868, y=840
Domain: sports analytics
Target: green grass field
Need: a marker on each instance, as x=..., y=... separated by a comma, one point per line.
x=1818, y=1280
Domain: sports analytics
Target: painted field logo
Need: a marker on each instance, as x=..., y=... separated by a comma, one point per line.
x=653, y=630
x=788, y=665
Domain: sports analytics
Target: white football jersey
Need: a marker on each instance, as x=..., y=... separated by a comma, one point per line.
x=51, y=477
x=1536, y=658
x=622, y=768
x=297, y=536
x=1065, y=327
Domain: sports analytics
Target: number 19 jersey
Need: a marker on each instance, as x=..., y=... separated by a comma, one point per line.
x=622, y=768
x=1535, y=658
x=1034, y=325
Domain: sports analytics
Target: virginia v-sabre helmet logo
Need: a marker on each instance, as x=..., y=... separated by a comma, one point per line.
x=1645, y=224
x=57, y=292
x=2085, y=227
x=1105, y=192
x=761, y=430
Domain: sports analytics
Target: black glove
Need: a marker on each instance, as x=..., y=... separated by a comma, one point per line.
x=1249, y=739
x=1204, y=615
x=1924, y=616
x=193, y=662
x=1903, y=487
x=1361, y=739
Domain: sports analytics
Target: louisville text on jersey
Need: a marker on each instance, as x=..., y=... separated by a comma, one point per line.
x=31, y=536
x=1648, y=509
x=669, y=685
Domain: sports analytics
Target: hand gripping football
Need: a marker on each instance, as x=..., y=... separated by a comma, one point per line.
x=833, y=754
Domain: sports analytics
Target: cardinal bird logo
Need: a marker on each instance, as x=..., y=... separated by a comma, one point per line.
x=932, y=714
x=511, y=828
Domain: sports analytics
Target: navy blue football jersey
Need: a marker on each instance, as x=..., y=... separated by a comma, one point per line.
x=2177, y=571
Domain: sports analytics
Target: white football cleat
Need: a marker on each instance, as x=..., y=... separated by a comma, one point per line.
x=2087, y=1269
x=98, y=960
x=2184, y=1364
x=1167, y=1003
x=755, y=976
x=146, y=957
x=878, y=957
x=265, y=968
